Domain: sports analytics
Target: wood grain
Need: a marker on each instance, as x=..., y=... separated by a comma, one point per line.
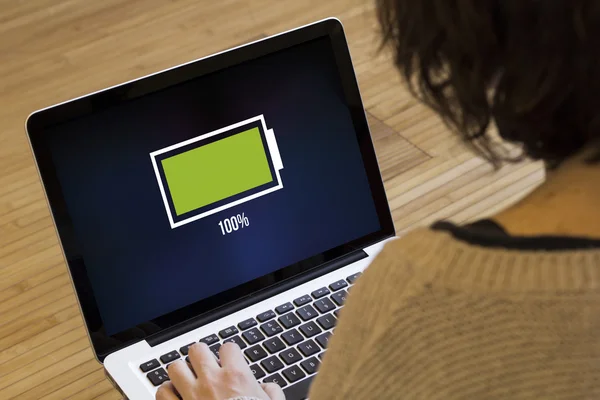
x=53, y=50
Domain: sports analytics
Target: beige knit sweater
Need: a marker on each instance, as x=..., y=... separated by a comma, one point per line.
x=440, y=319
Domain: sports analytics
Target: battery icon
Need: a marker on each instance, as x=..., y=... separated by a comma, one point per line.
x=217, y=170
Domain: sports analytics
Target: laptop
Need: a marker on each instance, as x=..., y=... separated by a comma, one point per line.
x=233, y=198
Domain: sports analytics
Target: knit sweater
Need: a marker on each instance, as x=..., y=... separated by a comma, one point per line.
x=454, y=314
x=470, y=313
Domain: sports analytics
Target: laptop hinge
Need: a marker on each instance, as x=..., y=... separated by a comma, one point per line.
x=221, y=312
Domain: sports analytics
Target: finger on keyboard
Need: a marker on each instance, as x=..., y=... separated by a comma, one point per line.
x=232, y=357
x=181, y=375
x=202, y=358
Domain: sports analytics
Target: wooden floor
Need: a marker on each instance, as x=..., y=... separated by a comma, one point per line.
x=53, y=50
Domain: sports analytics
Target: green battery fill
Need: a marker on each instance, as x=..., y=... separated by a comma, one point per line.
x=216, y=171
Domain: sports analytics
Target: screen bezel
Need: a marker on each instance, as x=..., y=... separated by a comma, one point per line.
x=38, y=122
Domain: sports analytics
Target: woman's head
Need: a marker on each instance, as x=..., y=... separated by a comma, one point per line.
x=532, y=66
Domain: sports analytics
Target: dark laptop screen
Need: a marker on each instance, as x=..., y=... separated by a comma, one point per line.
x=184, y=193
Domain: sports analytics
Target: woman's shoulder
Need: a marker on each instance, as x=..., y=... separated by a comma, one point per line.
x=422, y=248
x=410, y=260
x=470, y=260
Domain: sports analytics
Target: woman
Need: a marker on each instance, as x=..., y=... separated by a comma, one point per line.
x=504, y=308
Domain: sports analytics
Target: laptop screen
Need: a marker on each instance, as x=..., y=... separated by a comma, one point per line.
x=191, y=191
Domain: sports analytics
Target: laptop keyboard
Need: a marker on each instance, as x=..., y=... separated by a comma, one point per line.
x=282, y=346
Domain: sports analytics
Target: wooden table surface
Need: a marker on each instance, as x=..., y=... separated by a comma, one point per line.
x=53, y=50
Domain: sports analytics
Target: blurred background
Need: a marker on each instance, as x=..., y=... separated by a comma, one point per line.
x=55, y=50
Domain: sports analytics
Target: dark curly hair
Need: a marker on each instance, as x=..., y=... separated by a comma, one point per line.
x=531, y=66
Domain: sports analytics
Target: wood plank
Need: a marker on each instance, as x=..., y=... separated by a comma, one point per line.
x=27, y=267
x=100, y=387
x=32, y=341
x=110, y=395
x=35, y=383
x=43, y=319
x=94, y=384
x=48, y=290
x=33, y=355
x=480, y=209
x=434, y=183
x=26, y=285
x=458, y=203
x=483, y=175
x=393, y=151
x=47, y=365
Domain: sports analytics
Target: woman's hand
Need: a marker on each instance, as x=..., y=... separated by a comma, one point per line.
x=209, y=381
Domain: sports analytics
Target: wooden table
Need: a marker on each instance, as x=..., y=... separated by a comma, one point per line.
x=53, y=50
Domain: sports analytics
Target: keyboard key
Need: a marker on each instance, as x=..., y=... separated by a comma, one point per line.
x=257, y=371
x=293, y=374
x=271, y=328
x=210, y=339
x=308, y=348
x=274, y=345
x=310, y=329
x=227, y=332
x=276, y=378
x=247, y=324
x=272, y=364
x=292, y=337
x=289, y=320
x=338, y=285
x=323, y=339
x=256, y=353
x=253, y=336
x=321, y=355
x=339, y=297
x=169, y=357
x=327, y=321
x=298, y=390
x=352, y=278
x=267, y=315
x=237, y=340
x=300, y=301
x=317, y=294
x=187, y=359
x=307, y=312
x=337, y=312
x=282, y=309
x=311, y=365
x=149, y=365
x=215, y=349
x=290, y=356
x=157, y=377
x=324, y=305
x=185, y=349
